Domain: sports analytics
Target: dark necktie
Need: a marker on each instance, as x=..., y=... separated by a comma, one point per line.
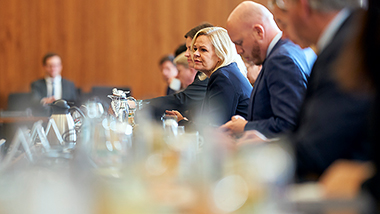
x=52, y=89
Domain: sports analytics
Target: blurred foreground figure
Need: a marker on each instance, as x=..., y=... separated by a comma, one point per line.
x=358, y=71
x=52, y=87
x=332, y=123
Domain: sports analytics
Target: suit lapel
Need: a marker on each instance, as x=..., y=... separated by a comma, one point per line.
x=252, y=98
x=44, y=88
x=259, y=80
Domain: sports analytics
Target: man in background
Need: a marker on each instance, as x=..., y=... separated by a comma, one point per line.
x=169, y=73
x=52, y=87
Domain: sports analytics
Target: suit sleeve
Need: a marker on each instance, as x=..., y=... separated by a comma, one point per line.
x=287, y=85
x=181, y=101
x=37, y=93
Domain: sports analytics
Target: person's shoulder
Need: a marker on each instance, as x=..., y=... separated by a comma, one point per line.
x=287, y=48
x=67, y=81
x=228, y=69
x=38, y=82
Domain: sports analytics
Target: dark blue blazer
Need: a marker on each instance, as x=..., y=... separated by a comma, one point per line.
x=332, y=123
x=279, y=90
x=39, y=91
x=227, y=95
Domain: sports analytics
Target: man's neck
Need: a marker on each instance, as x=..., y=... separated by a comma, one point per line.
x=331, y=26
x=321, y=21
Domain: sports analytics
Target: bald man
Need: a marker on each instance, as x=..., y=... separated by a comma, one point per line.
x=280, y=88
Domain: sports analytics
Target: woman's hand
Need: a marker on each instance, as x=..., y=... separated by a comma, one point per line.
x=175, y=113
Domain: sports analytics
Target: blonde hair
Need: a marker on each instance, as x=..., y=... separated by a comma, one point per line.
x=181, y=59
x=224, y=48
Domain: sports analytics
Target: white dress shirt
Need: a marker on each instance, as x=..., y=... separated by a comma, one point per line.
x=57, y=87
x=273, y=42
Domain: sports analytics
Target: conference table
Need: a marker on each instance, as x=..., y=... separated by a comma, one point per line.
x=165, y=180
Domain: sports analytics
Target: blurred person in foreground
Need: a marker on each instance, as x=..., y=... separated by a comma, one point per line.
x=332, y=123
x=169, y=73
x=280, y=87
x=357, y=70
x=228, y=89
x=189, y=100
x=52, y=87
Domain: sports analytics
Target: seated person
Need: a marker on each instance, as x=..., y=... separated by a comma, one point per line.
x=52, y=87
x=169, y=73
x=186, y=74
x=280, y=87
x=190, y=99
x=228, y=90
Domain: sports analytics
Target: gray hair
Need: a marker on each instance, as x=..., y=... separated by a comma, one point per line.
x=334, y=5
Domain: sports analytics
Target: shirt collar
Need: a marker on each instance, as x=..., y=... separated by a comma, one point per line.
x=274, y=42
x=56, y=79
x=331, y=29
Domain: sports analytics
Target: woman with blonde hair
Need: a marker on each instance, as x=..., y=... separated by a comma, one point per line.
x=228, y=90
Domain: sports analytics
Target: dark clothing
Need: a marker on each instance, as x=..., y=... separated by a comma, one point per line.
x=332, y=123
x=39, y=91
x=169, y=91
x=279, y=90
x=227, y=95
x=186, y=101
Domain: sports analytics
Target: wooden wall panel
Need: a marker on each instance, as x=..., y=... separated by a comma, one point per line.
x=102, y=42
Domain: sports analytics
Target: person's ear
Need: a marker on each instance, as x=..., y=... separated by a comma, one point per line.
x=304, y=8
x=258, y=32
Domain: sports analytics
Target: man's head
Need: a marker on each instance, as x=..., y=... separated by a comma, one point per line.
x=305, y=20
x=168, y=69
x=52, y=64
x=186, y=74
x=251, y=27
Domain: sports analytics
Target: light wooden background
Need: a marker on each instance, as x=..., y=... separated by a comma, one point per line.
x=102, y=42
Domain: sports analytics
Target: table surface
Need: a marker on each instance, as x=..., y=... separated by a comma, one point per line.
x=22, y=119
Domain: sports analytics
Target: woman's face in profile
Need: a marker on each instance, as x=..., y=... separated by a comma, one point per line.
x=204, y=56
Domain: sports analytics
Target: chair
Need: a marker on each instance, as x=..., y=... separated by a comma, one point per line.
x=18, y=101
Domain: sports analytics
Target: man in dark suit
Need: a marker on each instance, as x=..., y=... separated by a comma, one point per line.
x=333, y=123
x=189, y=100
x=52, y=87
x=281, y=85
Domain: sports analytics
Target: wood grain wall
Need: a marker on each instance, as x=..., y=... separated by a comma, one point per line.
x=102, y=42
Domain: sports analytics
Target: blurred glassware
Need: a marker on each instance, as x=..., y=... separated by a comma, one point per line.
x=108, y=145
x=170, y=124
x=119, y=104
x=94, y=109
x=133, y=106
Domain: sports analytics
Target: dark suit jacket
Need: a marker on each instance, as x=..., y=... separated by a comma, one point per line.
x=227, y=95
x=332, y=123
x=39, y=91
x=279, y=90
x=187, y=101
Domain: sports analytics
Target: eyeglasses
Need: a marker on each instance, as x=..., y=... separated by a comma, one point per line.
x=279, y=3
